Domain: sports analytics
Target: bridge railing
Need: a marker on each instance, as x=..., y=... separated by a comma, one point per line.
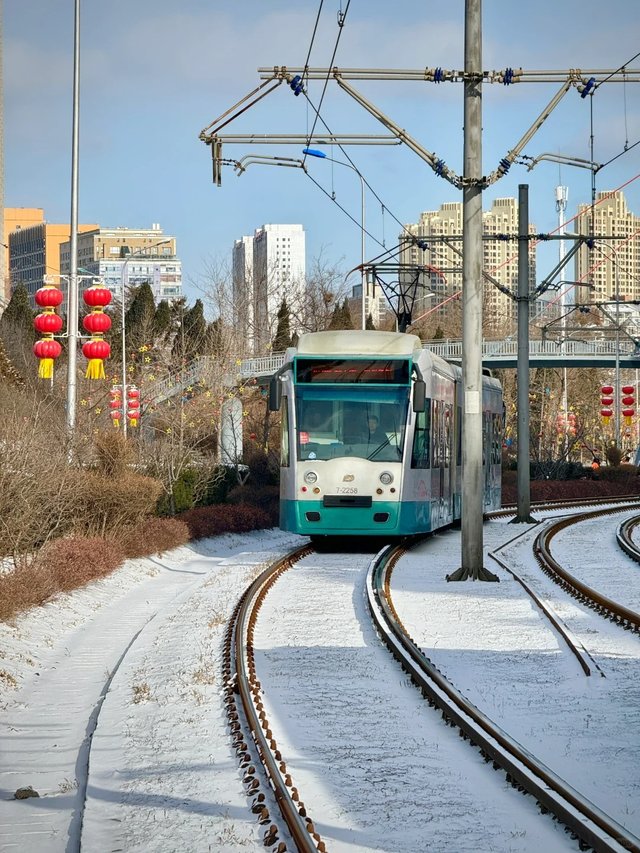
x=451, y=350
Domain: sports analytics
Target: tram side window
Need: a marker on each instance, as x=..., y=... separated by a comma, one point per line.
x=421, y=439
x=284, y=433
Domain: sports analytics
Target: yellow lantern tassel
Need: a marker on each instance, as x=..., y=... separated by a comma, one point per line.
x=95, y=369
x=45, y=369
x=116, y=422
x=133, y=422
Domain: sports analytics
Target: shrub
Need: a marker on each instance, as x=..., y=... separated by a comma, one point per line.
x=24, y=588
x=207, y=521
x=105, y=505
x=62, y=565
x=223, y=479
x=153, y=536
x=77, y=560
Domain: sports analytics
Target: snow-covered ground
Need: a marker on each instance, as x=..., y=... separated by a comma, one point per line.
x=139, y=653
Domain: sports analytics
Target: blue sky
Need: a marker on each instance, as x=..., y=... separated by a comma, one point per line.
x=155, y=73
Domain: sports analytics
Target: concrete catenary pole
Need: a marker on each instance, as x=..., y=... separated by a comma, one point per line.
x=524, y=482
x=472, y=481
x=72, y=311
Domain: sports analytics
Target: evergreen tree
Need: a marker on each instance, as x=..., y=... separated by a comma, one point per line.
x=216, y=338
x=336, y=319
x=369, y=323
x=162, y=319
x=438, y=335
x=17, y=318
x=139, y=318
x=347, y=322
x=191, y=337
x=282, y=339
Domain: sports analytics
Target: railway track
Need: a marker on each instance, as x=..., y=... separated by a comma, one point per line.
x=612, y=610
x=594, y=828
x=293, y=827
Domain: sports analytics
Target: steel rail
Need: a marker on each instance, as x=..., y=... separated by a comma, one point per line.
x=585, y=819
x=628, y=618
x=243, y=681
x=624, y=537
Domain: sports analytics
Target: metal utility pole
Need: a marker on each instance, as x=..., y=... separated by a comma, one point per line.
x=562, y=197
x=72, y=309
x=524, y=483
x=472, y=481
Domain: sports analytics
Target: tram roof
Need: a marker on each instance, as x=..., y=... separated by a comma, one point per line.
x=358, y=342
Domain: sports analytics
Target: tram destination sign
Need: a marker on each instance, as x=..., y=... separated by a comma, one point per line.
x=348, y=371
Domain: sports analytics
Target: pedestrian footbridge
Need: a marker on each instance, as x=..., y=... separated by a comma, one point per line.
x=499, y=355
x=495, y=355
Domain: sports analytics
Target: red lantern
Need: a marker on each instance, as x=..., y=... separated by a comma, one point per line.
x=628, y=389
x=96, y=350
x=49, y=296
x=97, y=296
x=133, y=405
x=628, y=401
x=97, y=322
x=606, y=401
x=115, y=404
x=48, y=323
x=47, y=350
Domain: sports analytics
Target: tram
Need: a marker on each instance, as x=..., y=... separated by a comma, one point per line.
x=371, y=436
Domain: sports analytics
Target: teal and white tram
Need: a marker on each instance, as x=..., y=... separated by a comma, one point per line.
x=370, y=442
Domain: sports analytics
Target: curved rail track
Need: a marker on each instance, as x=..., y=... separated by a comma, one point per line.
x=255, y=738
x=593, y=827
x=612, y=610
x=254, y=742
x=624, y=537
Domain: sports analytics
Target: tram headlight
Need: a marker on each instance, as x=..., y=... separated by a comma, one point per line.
x=386, y=478
x=310, y=477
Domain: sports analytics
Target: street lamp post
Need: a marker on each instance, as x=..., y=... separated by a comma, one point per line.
x=313, y=152
x=124, y=335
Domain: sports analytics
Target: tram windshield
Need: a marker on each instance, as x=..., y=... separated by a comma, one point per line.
x=369, y=423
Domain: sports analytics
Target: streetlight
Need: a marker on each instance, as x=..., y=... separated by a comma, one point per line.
x=313, y=152
x=140, y=251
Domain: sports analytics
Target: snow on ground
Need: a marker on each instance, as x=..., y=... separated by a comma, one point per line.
x=376, y=767
x=162, y=773
x=547, y=704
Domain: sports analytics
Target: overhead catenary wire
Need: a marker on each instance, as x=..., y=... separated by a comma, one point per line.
x=341, y=21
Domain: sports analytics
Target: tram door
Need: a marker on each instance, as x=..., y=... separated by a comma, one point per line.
x=442, y=431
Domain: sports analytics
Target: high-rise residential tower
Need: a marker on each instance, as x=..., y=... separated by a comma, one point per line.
x=613, y=265
x=273, y=260
x=444, y=262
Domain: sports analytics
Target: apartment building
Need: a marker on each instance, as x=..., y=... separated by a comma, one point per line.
x=242, y=284
x=612, y=265
x=16, y=218
x=127, y=257
x=34, y=252
x=442, y=261
x=273, y=263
